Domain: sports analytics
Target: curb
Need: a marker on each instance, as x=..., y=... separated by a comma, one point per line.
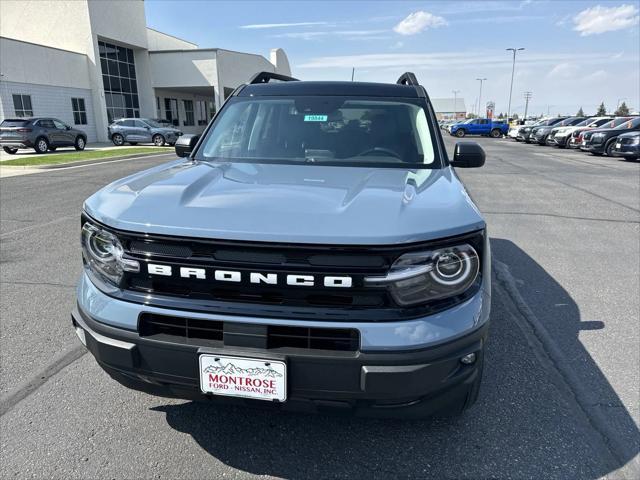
x=83, y=162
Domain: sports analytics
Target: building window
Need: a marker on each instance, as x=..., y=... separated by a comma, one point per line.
x=119, y=81
x=79, y=111
x=171, y=111
x=188, y=113
x=22, y=105
x=201, y=112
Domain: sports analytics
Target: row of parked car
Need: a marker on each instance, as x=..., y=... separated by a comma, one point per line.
x=611, y=136
x=44, y=134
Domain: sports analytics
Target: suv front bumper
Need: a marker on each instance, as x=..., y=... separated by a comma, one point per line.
x=402, y=369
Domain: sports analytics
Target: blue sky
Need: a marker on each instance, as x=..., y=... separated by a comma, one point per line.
x=577, y=53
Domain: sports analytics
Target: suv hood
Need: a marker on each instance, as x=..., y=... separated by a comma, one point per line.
x=289, y=203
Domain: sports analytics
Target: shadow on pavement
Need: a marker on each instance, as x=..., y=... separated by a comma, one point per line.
x=524, y=424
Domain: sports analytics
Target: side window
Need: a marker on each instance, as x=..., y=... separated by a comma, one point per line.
x=127, y=123
x=79, y=111
x=139, y=124
x=188, y=112
x=45, y=123
x=59, y=125
x=22, y=105
x=171, y=111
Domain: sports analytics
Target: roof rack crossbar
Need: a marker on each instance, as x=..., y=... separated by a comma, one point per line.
x=265, y=77
x=407, y=78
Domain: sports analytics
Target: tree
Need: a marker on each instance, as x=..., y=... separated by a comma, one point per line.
x=471, y=115
x=602, y=110
x=501, y=116
x=622, y=110
x=515, y=116
x=580, y=113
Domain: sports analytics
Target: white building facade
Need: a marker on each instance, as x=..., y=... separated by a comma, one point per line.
x=89, y=62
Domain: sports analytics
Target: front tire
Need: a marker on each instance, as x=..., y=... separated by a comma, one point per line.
x=609, y=149
x=495, y=133
x=9, y=150
x=117, y=139
x=158, y=140
x=42, y=145
x=460, y=133
x=80, y=144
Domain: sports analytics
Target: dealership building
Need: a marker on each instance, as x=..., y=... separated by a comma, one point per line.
x=449, y=108
x=89, y=62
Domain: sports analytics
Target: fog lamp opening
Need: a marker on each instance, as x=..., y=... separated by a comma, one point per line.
x=468, y=359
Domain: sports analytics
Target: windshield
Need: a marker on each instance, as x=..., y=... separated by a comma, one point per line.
x=328, y=130
x=584, y=123
x=629, y=123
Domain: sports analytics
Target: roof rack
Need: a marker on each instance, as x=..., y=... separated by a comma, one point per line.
x=407, y=78
x=265, y=77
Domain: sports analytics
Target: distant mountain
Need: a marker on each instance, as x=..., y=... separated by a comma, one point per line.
x=231, y=369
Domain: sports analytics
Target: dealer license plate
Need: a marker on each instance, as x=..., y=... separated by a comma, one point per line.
x=618, y=145
x=243, y=377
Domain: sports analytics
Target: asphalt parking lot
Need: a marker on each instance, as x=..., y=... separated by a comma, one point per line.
x=560, y=397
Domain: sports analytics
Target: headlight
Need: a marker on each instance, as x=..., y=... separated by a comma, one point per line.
x=103, y=254
x=420, y=277
x=635, y=141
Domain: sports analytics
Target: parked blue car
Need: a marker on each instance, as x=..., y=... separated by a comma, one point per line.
x=480, y=126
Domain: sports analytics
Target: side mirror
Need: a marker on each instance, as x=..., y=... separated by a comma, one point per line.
x=68, y=127
x=468, y=155
x=185, y=144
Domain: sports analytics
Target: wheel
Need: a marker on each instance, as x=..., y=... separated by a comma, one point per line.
x=460, y=133
x=41, y=145
x=117, y=139
x=158, y=140
x=609, y=149
x=52, y=149
x=9, y=150
x=495, y=133
x=80, y=143
x=133, y=143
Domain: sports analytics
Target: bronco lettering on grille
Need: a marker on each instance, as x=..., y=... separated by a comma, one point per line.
x=253, y=277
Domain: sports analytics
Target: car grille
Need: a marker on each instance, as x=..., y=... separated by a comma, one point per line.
x=199, y=332
x=320, y=303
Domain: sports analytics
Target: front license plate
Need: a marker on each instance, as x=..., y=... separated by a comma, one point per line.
x=243, y=377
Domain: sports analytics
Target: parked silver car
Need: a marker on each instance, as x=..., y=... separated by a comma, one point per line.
x=142, y=130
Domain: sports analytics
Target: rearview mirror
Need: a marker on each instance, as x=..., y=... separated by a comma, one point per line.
x=185, y=144
x=468, y=155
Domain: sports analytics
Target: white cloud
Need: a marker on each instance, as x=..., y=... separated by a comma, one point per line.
x=281, y=25
x=418, y=21
x=563, y=70
x=349, y=34
x=471, y=60
x=601, y=19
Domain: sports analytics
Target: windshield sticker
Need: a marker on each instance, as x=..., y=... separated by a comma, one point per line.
x=315, y=118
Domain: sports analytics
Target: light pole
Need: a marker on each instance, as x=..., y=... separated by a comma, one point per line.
x=527, y=97
x=455, y=104
x=480, y=96
x=513, y=69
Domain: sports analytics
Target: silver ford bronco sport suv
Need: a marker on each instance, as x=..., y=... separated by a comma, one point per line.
x=314, y=249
